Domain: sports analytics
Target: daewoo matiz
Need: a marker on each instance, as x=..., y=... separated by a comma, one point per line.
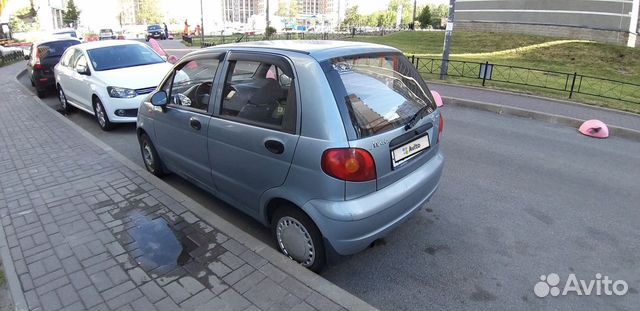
x=332, y=144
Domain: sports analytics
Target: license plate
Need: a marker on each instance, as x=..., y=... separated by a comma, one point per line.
x=408, y=150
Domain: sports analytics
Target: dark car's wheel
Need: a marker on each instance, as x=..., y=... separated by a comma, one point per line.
x=101, y=115
x=66, y=108
x=150, y=156
x=32, y=83
x=298, y=237
x=41, y=93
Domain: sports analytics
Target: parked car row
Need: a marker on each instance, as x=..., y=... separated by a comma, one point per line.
x=331, y=144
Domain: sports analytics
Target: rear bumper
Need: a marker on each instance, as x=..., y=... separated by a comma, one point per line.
x=43, y=81
x=349, y=226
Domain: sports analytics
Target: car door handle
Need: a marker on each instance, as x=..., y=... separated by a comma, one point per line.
x=274, y=146
x=195, y=124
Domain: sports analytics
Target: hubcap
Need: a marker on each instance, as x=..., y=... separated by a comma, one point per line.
x=100, y=113
x=147, y=155
x=295, y=241
x=63, y=102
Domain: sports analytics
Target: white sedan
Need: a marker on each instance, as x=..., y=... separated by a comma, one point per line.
x=108, y=79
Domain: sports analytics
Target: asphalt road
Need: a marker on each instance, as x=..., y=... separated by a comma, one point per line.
x=519, y=198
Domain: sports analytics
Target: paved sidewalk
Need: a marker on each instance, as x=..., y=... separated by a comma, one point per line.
x=83, y=229
x=539, y=104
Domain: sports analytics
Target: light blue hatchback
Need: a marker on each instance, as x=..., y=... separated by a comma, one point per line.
x=333, y=144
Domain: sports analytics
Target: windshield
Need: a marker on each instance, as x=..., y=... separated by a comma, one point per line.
x=382, y=92
x=55, y=49
x=154, y=27
x=121, y=56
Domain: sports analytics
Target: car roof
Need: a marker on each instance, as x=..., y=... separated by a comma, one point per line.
x=318, y=49
x=56, y=39
x=105, y=43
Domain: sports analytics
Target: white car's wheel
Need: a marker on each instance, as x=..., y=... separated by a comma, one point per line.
x=101, y=115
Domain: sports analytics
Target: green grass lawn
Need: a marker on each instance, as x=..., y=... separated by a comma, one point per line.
x=587, y=58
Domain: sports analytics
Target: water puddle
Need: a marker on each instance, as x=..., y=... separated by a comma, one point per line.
x=161, y=247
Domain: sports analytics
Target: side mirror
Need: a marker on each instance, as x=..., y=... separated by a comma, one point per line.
x=159, y=99
x=285, y=80
x=83, y=70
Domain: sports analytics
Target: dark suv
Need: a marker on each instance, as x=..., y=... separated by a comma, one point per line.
x=44, y=55
x=156, y=32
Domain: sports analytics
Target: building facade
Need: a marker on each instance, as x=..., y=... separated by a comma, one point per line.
x=600, y=20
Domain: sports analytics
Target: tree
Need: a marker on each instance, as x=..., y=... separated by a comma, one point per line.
x=425, y=17
x=3, y=4
x=147, y=12
x=71, y=14
x=24, y=20
x=437, y=13
x=352, y=17
x=407, y=9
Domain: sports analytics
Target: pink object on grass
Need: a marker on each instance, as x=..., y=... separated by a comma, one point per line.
x=594, y=128
x=437, y=98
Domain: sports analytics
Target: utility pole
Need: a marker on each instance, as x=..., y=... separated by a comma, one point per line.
x=201, y=24
x=447, y=40
x=633, y=24
x=267, y=11
x=413, y=22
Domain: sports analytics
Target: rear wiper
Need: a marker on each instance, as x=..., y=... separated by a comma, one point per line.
x=416, y=117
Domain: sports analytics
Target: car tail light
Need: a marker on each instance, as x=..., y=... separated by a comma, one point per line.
x=36, y=64
x=349, y=164
x=440, y=126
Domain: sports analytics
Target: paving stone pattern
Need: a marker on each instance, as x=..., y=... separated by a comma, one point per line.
x=85, y=232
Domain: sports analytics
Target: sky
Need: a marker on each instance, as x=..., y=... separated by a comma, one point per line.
x=370, y=6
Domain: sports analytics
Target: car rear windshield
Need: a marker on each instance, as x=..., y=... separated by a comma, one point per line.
x=121, y=56
x=55, y=49
x=381, y=91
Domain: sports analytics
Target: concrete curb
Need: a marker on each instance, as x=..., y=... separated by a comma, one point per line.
x=617, y=131
x=563, y=101
x=11, y=276
x=305, y=276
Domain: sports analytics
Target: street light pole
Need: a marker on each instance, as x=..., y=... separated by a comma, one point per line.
x=447, y=40
x=201, y=24
x=267, y=11
x=413, y=22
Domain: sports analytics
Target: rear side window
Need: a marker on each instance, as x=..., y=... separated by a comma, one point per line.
x=55, y=49
x=380, y=91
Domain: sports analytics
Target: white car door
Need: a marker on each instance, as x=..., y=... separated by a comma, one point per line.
x=82, y=82
x=64, y=71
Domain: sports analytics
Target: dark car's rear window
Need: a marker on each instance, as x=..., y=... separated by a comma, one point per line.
x=381, y=91
x=56, y=48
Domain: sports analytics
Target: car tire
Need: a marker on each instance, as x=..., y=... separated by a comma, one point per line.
x=66, y=108
x=32, y=83
x=298, y=237
x=41, y=93
x=150, y=157
x=101, y=115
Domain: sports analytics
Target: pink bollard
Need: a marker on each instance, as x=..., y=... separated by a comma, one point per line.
x=437, y=98
x=594, y=128
x=156, y=47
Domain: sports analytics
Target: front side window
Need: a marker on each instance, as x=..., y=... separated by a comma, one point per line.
x=382, y=92
x=260, y=93
x=191, y=84
x=122, y=56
